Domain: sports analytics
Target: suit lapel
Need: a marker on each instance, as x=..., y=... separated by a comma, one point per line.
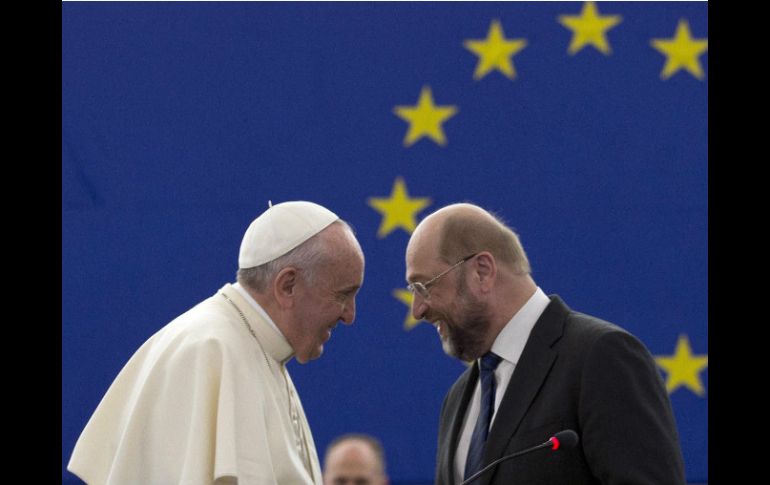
x=530, y=373
x=459, y=415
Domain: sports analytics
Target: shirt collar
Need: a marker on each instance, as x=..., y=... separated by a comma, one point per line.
x=509, y=344
x=270, y=335
x=256, y=306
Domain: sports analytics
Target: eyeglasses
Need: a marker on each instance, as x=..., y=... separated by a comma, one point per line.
x=422, y=288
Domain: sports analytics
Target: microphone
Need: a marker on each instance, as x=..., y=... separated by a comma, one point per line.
x=564, y=439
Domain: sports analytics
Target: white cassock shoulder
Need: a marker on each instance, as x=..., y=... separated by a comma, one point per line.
x=191, y=406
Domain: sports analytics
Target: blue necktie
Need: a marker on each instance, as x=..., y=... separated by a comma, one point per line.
x=489, y=363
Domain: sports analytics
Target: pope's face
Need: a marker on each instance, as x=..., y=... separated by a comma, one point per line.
x=325, y=302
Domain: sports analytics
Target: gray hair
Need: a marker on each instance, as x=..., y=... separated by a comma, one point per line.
x=309, y=257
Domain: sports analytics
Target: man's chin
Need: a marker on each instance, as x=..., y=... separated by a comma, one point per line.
x=452, y=350
x=305, y=358
x=449, y=348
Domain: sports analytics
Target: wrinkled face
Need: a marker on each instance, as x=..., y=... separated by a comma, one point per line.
x=352, y=463
x=461, y=319
x=326, y=302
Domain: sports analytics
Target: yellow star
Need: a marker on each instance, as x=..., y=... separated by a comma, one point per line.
x=425, y=118
x=398, y=210
x=681, y=52
x=589, y=28
x=495, y=52
x=406, y=297
x=683, y=367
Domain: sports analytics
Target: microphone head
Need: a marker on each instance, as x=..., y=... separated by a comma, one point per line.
x=564, y=439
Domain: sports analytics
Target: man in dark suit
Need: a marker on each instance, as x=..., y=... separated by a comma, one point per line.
x=538, y=368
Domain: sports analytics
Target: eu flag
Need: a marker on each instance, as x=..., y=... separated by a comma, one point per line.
x=584, y=125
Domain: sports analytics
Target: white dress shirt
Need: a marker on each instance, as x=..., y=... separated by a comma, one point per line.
x=509, y=345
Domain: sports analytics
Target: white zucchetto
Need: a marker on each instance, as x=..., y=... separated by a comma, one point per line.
x=281, y=228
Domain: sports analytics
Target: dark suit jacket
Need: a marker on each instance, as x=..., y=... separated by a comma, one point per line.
x=581, y=373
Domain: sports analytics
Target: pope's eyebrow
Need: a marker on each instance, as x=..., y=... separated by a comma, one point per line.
x=350, y=289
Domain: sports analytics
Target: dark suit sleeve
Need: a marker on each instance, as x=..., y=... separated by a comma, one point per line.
x=628, y=433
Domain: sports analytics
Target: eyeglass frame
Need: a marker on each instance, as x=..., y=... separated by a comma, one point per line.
x=422, y=288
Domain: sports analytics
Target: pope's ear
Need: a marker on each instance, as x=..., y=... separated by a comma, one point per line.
x=284, y=287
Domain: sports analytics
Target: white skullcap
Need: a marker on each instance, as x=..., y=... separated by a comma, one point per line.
x=280, y=229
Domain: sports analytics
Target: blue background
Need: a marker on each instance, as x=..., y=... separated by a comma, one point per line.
x=181, y=120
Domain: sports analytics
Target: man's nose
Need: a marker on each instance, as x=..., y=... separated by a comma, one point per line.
x=419, y=306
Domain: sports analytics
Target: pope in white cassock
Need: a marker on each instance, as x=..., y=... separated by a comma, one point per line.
x=207, y=399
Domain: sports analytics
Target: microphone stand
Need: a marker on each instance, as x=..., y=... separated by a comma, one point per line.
x=547, y=444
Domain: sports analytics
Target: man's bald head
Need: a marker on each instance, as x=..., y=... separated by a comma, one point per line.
x=459, y=230
x=355, y=459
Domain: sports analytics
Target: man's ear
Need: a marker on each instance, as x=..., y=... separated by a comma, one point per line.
x=284, y=287
x=485, y=269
